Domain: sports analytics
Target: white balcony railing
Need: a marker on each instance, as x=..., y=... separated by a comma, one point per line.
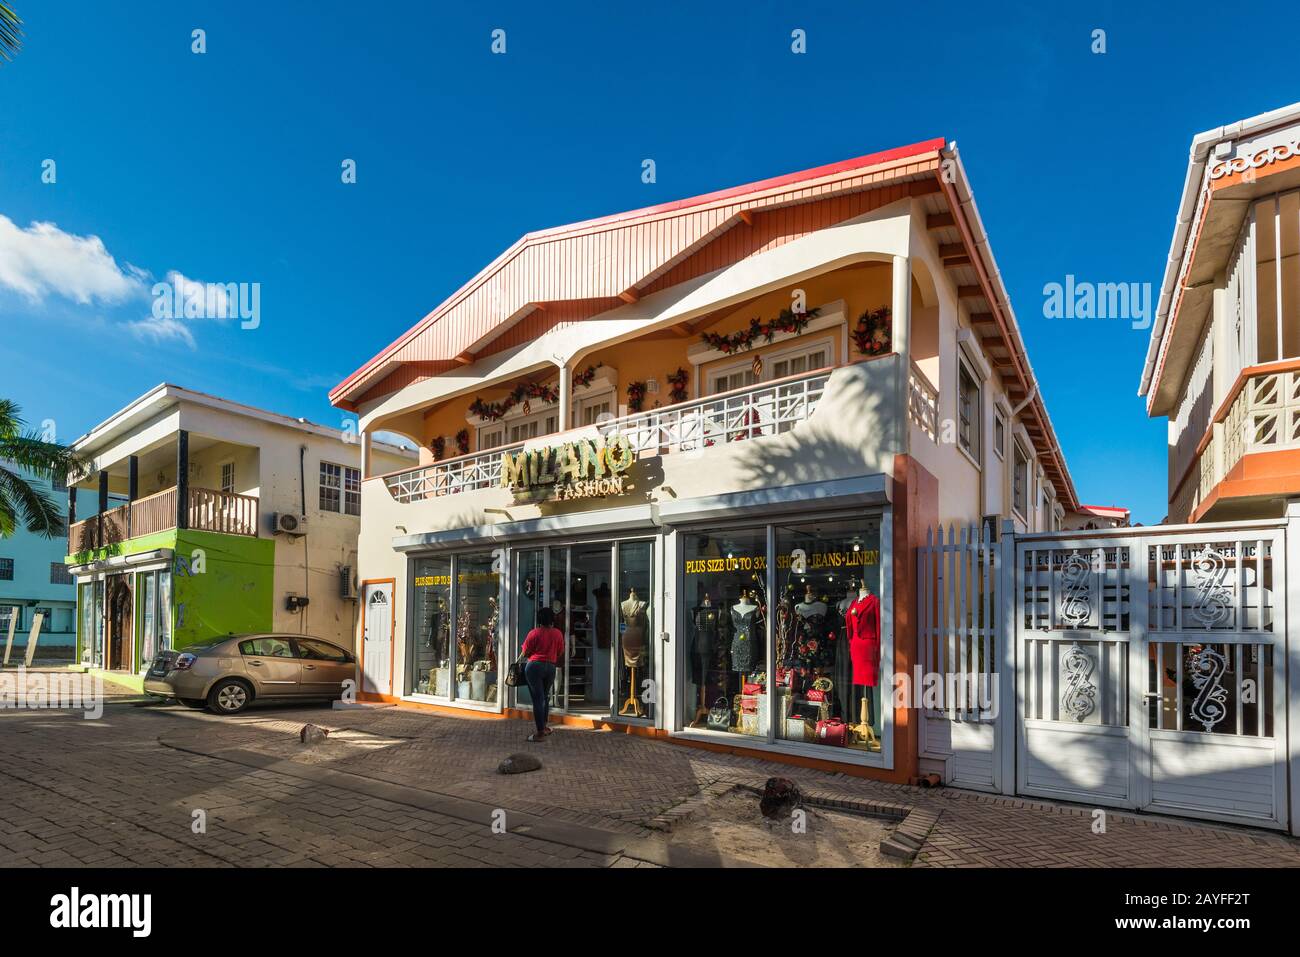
x=1264, y=417
x=754, y=412
x=923, y=403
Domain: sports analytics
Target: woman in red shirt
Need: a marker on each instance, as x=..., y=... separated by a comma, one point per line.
x=543, y=647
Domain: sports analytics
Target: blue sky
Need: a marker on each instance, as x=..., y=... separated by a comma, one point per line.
x=225, y=167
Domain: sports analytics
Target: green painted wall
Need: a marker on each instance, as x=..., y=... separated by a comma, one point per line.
x=231, y=590
x=220, y=584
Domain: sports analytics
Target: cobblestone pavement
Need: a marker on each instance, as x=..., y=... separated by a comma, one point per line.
x=394, y=786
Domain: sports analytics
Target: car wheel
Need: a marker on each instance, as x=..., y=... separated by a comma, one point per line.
x=193, y=702
x=230, y=696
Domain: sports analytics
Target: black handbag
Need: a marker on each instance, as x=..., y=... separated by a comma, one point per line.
x=720, y=715
x=515, y=674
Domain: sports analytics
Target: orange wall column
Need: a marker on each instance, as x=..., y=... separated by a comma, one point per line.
x=915, y=508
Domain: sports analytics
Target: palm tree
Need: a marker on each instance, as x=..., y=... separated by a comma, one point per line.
x=26, y=450
x=11, y=33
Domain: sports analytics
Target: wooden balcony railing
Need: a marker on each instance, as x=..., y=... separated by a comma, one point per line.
x=207, y=511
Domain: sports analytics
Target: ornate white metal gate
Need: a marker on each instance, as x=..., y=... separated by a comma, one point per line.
x=1151, y=669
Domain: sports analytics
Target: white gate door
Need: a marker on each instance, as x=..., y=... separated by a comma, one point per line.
x=377, y=640
x=1151, y=670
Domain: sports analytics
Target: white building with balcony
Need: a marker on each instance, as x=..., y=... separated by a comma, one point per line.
x=707, y=435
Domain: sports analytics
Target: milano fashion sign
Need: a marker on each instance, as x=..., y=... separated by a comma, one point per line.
x=583, y=468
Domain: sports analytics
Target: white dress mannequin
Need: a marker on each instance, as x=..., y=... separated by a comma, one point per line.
x=633, y=643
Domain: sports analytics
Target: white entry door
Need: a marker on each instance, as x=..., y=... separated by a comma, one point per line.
x=377, y=639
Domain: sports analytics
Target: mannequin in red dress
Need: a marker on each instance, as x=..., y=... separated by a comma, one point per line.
x=862, y=626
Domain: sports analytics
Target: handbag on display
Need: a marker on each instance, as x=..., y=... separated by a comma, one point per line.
x=832, y=731
x=720, y=716
x=751, y=688
x=797, y=729
x=806, y=711
x=515, y=676
x=820, y=692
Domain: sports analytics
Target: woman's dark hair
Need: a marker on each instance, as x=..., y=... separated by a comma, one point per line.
x=545, y=618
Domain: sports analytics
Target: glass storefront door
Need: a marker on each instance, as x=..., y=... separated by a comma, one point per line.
x=608, y=664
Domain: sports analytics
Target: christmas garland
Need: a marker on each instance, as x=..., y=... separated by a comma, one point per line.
x=678, y=381
x=873, y=332
x=787, y=321
x=492, y=411
x=439, y=446
x=584, y=377
x=462, y=441
x=635, y=396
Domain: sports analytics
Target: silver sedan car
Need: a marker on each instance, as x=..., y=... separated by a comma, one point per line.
x=227, y=674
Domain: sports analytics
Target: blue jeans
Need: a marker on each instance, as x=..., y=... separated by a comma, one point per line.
x=540, y=676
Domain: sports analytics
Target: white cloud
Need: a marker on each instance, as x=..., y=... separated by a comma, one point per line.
x=43, y=259
x=158, y=331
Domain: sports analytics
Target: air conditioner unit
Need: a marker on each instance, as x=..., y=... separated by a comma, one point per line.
x=289, y=523
x=347, y=583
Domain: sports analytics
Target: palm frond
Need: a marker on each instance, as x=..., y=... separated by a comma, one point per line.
x=11, y=32
x=18, y=499
x=49, y=460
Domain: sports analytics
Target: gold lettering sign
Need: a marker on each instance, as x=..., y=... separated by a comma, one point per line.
x=583, y=468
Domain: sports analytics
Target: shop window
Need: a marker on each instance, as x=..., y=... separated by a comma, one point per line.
x=475, y=650
x=726, y=631
x=827, y=680
x=147, y=582
x=428, y=669
x=164, y=610
x=634, y=658
x=968, y=411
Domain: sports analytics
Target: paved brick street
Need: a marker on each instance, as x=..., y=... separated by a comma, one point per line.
x=394, y=787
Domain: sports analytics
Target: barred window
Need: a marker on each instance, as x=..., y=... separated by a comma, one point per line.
x=6, y=569
x=59, y=574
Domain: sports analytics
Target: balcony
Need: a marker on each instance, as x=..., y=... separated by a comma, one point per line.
x=206, y=510
x=754, y=412
x=1262, y=415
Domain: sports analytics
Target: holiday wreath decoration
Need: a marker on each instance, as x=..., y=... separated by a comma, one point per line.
x=678, y=382
x=787, y=321
x=462, y=441
x=439, y=446
x=873, y=332
x=492, y=411
x=635, y=396
x=584, y=377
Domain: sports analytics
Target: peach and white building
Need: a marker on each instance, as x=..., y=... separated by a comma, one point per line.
x=706, y=434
